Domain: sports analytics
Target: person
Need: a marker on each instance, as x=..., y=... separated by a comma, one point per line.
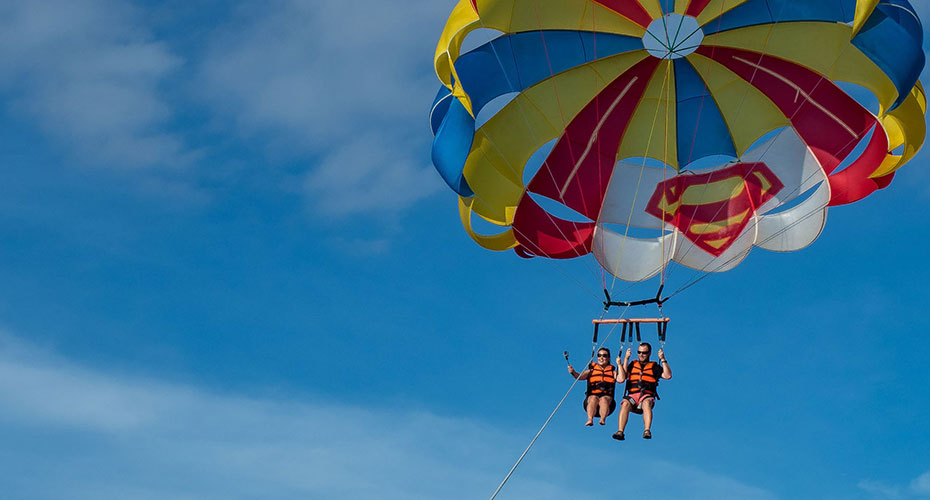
x=642, y=381
x=602, y=379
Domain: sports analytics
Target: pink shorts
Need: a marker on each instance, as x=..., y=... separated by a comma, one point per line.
x=637, y=398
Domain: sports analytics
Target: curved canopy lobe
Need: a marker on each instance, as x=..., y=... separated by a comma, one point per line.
x=582, y=101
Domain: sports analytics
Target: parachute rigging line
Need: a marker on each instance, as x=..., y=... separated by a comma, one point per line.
x=697, y=121
x=530, y=128
x=703, y=273
x=554, y=411
x=739, y=112
x=666, y=87
x=642, y=169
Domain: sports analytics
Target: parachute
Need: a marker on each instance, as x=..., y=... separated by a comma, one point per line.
x=647, y=132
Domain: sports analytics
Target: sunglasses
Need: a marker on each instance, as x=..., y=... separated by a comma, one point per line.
x=642, y=352
x=603, y=355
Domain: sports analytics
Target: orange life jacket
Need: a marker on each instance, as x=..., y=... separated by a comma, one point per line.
x=642, y=378
x=602, y=380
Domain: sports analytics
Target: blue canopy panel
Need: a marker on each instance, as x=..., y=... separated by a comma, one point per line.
x=439, y=108
x=756, y=12
x=702, y=130
x=507, y=64
x=454, y=130
x=513, y=63
x=892, y=38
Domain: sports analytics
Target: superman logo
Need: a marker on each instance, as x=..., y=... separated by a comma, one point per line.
x=713, y=209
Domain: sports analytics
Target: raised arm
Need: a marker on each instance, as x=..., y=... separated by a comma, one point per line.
x=666, y=370
x=621, y=367
x=580, y=376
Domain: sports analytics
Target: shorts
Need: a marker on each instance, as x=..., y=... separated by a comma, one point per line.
x=636, y=401
x=597, y=412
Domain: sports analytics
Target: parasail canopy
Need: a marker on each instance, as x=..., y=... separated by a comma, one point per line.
x=685, y=131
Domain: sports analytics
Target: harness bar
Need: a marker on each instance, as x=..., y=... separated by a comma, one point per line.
x=629, y=320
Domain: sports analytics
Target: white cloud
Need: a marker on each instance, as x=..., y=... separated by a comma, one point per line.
x=348, y=81
x=89, y=72
x=921, y=484
x=879, y=489
x=919, y=487
x=320, y=71
x=94, y=434
x=359, y=247
x=368, y=174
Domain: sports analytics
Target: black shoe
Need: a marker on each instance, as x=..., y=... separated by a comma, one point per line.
x=647, y=434
x=619, y=436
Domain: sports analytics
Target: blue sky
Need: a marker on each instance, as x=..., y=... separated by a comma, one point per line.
x=229, y=271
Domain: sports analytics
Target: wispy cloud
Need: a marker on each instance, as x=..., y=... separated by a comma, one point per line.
x=89, y=71
x=95, y=434
x=919, y=487
x=369, y=174
x=360, y=247
x=879, y=489
x=349, y=82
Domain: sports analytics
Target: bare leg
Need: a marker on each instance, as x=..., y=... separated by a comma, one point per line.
x=624, y=414
x=591, y=408
x=604, y=403
x=647, y=414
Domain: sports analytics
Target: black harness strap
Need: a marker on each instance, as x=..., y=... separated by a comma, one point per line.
x=655, y=300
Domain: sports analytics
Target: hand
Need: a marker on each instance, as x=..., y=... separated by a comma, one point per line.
x=626, y=357
x=618, y=360
x=661, y=355
x=571, y=370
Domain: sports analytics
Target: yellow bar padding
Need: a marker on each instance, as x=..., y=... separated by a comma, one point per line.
x=503, y=145
x=499, y=242
x=653, y=131
x=822, y=47
x=907, y=128
x=748, y=113
x=717, y=8
x=864, y=9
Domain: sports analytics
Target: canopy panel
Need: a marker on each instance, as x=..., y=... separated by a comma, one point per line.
x=716, y=125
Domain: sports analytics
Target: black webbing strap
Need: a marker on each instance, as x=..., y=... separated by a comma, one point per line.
x=655, y=300
x=594, y=345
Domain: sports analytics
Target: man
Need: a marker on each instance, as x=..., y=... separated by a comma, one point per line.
x=642, y=381
x=602, y=378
